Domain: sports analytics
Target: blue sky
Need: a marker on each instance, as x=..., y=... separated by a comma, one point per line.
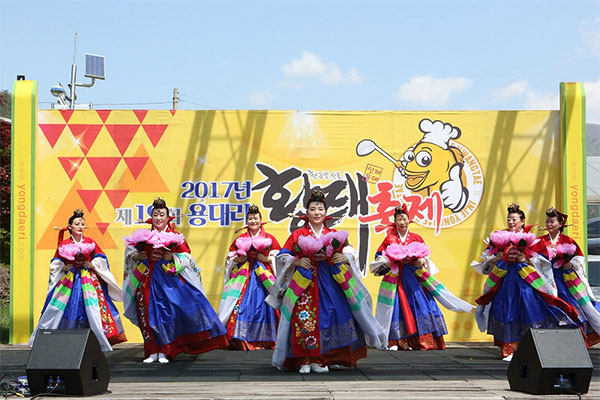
x=342, y=55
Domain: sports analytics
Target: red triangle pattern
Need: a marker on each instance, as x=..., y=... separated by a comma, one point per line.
x=103, y=114
x=86, y=134
x=140, y=114
x=66, y=114
x=103, y=168
x=52, y=132
x=102, y=226
x=116, y=197
x=135, y=164
x=71, y=165
x=122, y=135
x=155, y=132
x=89, y=197
x=173, y=112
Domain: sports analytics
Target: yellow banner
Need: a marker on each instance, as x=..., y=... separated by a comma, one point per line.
x=22, y=256
x=574, y=194
x=456, y=171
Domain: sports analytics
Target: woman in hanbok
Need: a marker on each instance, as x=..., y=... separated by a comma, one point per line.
x=568, y=268
x=517, y=294
x=326, y=311
x=81, y=288
x=406, y=306
x=251, y=324
x=164, y=296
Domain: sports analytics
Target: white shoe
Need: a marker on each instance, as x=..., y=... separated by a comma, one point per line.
x=314, y=367
x=151, y=359
x=508, y=357
x=305, y=369
x=335, y=366
x=393, y=348
x=162, y=358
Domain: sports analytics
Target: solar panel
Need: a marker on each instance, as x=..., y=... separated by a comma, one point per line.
x=94, y=66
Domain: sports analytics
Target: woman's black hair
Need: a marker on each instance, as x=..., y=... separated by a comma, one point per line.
x=316, y=196
x=77, y=213
x=401, y=209
x=159, y=204
x=513, y=208
x=253, y=209
x=560, y=217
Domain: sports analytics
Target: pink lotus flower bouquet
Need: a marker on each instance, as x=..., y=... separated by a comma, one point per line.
x=502, y=241
x=332, y=242
x=247, y=244
x=72, y=250
x=564, y=254
x=168, y=240
x=405, y=254
x=140, y=238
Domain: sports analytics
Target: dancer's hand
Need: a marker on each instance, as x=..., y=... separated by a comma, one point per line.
x=262, y=258
x=139, y=256
x=240, y=259
x=513, y=255
x=320, y=256
x=303, y=262
x=167, y=255
x=339, y=258
x=567, y=266
x=420, y=262
x=88, y=265
x=67, y=267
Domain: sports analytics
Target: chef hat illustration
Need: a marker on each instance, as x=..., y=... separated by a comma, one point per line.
x=438, y=132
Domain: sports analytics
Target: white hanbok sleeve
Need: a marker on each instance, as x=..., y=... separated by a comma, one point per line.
x=129, y=306
x=284, y=271
x=101, y=267
x=191, y=271
x=579, y=266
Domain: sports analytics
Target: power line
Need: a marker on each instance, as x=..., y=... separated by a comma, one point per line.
x=132, y=104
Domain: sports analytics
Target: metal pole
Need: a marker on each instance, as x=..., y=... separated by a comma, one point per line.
x=73, y=74
x=175, y=98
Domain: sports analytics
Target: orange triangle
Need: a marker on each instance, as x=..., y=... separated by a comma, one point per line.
x=103, y=114
x=116, y=197
x=155, y=132
x=102, y=226
x=71, y=165
x=66, y=114
x=61, y=216
x=52, y=132
x=140, y=114
x=103, y=167
x=122, y=135
x=148, y=179
x=86, y=135
x=89, y=197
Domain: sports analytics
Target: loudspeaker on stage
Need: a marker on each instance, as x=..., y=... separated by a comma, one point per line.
x=551, y=361
x=66, y=361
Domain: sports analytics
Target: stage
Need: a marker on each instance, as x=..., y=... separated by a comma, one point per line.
x=462, y=371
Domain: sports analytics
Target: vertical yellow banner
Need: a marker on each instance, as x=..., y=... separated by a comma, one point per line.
x=573, y=143
x=24, y=125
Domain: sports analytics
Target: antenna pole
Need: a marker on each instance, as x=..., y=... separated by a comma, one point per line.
x=175, y=98
x=73, y=74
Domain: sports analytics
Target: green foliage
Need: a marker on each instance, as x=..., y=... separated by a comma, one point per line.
x=4, y=302
x=5, y=104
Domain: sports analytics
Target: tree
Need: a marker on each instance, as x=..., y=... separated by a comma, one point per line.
x=5, y=138
x=5, y=104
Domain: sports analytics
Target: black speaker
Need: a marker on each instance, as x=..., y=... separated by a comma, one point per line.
x=67, y=361
x=551, y=361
